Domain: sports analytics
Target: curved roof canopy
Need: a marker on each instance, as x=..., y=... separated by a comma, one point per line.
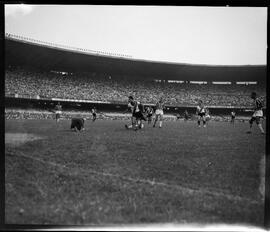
x=24, y=53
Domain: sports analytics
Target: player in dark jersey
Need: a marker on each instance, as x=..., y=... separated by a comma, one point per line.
x=58, y=111
x=201, y=112
x=186, y=115
x=77, y=124
x=149, y=114
x=258, y=112
x=233, y=117
x=94, y=114
x=137, y=114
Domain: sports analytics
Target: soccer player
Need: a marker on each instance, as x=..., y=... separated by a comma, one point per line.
x=77, y=124
x=233, y=117
x=149, y=112
x=137, y=114
x=159, y=112
x=201, y=111
x=94, y=114
x=258, y=112
x=58, y=111
x=178, y=116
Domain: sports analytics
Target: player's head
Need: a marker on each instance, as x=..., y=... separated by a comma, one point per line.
x=130, y=99
x=200, y=102
x=253, y=95
x=161, y=99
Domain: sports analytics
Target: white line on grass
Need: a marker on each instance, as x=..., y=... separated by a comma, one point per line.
x=185, y=190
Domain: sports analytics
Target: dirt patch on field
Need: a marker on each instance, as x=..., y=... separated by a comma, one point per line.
x=17, y=139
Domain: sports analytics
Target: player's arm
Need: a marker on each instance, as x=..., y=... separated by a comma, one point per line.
x=127, y=110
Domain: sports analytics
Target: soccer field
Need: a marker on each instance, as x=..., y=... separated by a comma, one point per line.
x=108, y=175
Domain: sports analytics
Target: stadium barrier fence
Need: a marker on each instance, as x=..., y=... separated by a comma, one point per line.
x=102, y=106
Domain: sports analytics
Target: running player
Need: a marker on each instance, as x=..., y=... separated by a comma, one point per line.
x=94, y=114
x=58, y=111
x=159, y=112
x=233, y=117
x=258, y=112
x=149, y=112
x=200, y=111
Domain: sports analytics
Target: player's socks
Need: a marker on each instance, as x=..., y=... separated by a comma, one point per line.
x=261, y=129
x=160, y=124
x=199, y=123
x=204, y=125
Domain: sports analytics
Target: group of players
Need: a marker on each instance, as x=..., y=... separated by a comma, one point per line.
x=140, y=114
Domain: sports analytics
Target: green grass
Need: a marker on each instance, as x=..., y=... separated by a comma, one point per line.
x=108, y=175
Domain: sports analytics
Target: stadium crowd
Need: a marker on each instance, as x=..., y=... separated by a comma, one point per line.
x=101, y=87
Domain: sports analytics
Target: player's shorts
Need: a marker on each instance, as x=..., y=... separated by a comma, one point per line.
x=233, y=117
x=201, y=114
x=57, y=115
x=139, y=116
x=77, y=123
x=159, y=112
x=149, y=115
x=257, y=119
x=258, y=113
x=94, y=115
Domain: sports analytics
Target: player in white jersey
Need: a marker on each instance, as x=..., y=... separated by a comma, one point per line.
x=58, y=111
x=258, y=112
x=159, y=112
x=201, y=112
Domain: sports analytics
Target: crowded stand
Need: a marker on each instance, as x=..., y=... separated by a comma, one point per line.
x=103, y=87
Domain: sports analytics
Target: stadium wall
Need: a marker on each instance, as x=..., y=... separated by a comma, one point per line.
x=117, y=107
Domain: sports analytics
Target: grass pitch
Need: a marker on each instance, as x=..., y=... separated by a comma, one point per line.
x=107, y=175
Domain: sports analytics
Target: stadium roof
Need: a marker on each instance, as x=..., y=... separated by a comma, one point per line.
x=20, y=52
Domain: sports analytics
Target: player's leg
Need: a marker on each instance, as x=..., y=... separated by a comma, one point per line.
x=160, y=120
x=259, y=123
x=132, y=123
x=57, y=116
x=199, y=121
x=82, y=124
x=204, y=120
x=156, y=119
x=251, y=123
x=140, y=124
x=136, y=124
